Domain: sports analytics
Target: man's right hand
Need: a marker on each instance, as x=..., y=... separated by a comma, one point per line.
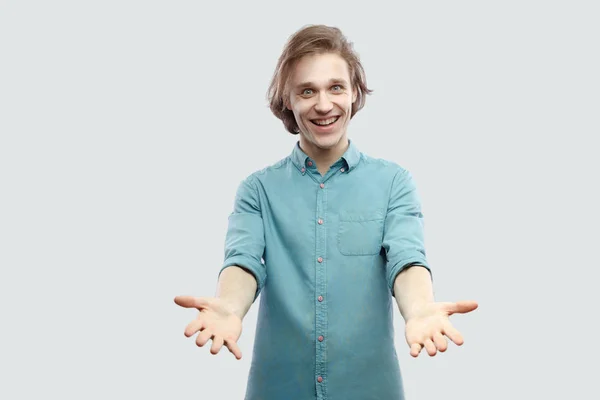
x=214, y=321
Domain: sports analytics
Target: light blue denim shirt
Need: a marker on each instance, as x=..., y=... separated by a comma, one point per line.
x=325, y=251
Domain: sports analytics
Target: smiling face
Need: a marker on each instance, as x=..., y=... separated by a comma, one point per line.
x=321, y=97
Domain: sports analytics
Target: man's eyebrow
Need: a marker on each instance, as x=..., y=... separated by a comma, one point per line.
x=331, y=82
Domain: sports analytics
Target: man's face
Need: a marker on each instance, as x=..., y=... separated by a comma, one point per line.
x=321, y=99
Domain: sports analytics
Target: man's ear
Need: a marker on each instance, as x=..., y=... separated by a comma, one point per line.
x=286, y=101
x=354, y=95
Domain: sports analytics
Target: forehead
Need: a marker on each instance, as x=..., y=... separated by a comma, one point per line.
x=320, y=69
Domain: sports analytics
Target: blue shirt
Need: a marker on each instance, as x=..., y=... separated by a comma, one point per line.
x=325, y=251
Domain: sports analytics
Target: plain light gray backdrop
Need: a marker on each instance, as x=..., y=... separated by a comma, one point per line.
x=126, y=127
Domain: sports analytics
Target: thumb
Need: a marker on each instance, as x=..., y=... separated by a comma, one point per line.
x=191, y=302
x=461, y=307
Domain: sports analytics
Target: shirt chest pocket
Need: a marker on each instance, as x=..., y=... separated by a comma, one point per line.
x=360, y=233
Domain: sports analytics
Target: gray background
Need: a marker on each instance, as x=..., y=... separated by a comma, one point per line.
x=126, y=127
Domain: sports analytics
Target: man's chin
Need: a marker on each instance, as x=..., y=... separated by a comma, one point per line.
x=327, y=141
x=328, y=144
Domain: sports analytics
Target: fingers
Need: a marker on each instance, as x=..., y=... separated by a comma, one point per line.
x=453, y=334
x=231, y=345
x=203, y=337
x=217, y=343
x=437, y=342
x=415, y=349
x=440, y=342
x=234, y=349
x=193, y=327
x=430, y=347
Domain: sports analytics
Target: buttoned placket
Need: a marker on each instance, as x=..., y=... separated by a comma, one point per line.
x=321, y=273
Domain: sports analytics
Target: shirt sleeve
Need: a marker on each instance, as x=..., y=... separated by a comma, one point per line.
x=403, y=238
x=244, y=240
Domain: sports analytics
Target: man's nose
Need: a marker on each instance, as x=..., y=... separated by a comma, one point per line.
x=324, y=104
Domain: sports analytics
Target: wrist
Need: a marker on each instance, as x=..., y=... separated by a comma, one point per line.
x=231, y=307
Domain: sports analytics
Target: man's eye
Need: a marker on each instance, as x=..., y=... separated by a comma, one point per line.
x=337, y=87
x=307, y=92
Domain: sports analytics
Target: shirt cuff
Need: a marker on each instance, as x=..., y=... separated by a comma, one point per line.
x=414, y=259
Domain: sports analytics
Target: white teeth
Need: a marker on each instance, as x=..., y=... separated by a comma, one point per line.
x=325, y=121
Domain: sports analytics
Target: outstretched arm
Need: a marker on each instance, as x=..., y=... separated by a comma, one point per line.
x=220, y=317
x=413, y=290
x=236, y=288
x=427, y=321
x=409, y=276
x=241, y=277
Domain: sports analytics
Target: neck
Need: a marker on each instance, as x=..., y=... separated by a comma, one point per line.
x=324, y=158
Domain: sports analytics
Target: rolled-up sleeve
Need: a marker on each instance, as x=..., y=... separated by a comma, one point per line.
x=245, y=240
x=403, y=237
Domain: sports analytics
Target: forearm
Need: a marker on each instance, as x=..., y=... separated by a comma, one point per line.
x=413, y=290
x=237, y=288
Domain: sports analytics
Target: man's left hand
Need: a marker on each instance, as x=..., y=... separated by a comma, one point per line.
x=427, y=327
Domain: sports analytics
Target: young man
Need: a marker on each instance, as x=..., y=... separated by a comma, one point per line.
x=329, y=236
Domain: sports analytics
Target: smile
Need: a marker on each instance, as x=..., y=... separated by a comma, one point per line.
x=325, y=122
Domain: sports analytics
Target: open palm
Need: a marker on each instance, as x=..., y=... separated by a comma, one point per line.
x=214, y=321
x=427, y=328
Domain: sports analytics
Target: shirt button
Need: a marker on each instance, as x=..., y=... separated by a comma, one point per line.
x=320, y=338
x=322, y=185
x=320, y=379
x=309, y=163
x=303, y=169
x=343, y=169
x=320, y=222
x=320, y=298
x=320, y=259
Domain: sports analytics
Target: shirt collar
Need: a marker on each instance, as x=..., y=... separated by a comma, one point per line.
x=351, y=156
